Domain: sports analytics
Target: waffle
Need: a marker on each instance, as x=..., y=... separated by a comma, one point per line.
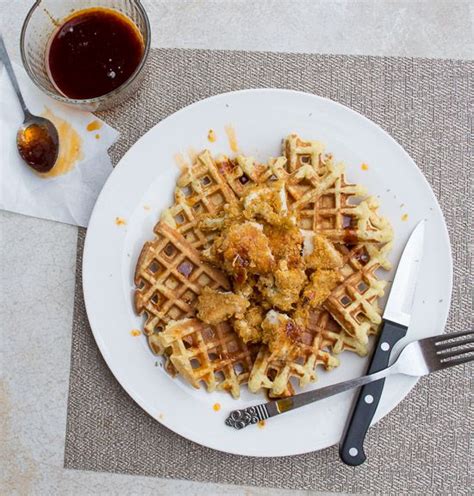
x=274, y=373
x=200, y=190
x=325, y=202
x=299, y=153
x=354, y=302
x=214, y=195
x=241, y=173
x=169, y=277
x=213, y=355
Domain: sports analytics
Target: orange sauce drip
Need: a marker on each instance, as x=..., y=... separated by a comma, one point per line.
x=216, y=407
x=135, y=332
x=211, y=135
x=181, y=162
x=232, y=138
x=364, y=167
x=120, y=221
x=70, y=146
x=94, y=125
x=261, y=424
x=404, y=217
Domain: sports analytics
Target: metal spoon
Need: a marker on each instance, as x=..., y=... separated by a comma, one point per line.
x=37, y=139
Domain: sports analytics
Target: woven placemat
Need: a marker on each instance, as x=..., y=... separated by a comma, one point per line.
x=423, y=446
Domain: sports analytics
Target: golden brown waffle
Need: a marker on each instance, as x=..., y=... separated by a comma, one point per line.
x=212, y=355
x=274, y=373
x=334, y=337
x=169, y=277
x=200, y=190
x=354, y=302
x=241, y=173
x=334, y=214
x=300, y=153
x=326, y=203
x=170, y=272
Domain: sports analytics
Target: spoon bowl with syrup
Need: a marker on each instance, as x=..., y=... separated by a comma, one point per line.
x=37, y=139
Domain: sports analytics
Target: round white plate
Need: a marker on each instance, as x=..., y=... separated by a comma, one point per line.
x=142, y=185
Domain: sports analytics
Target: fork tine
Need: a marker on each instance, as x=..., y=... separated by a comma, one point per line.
x=448, y=346
x=456, y=353
x=457, y=361
x=451, y=335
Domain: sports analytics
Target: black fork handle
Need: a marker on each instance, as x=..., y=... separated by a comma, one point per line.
x=351, y=448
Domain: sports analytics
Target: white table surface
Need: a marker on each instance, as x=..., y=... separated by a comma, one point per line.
x=37, y=257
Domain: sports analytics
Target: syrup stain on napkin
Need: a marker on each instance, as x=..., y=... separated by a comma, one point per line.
x=70, y=146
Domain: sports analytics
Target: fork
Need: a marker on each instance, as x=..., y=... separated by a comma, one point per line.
x=417, y=358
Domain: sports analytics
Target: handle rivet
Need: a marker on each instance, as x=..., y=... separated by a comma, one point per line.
x=384, y=346
x=353, y=452
x=369, y=399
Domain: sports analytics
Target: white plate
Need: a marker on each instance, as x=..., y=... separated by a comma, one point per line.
x=146, y=177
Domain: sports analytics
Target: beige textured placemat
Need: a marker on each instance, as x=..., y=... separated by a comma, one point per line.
x=423, y=446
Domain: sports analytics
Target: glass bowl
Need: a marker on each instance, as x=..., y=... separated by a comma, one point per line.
x=44, y=18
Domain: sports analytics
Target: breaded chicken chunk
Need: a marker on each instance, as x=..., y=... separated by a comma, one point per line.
x=319, y=252
x=322, y=282
x=283, y=287
x=244, y=249
x=214, y=306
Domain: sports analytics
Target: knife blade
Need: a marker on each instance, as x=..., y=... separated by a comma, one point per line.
x=395, y=322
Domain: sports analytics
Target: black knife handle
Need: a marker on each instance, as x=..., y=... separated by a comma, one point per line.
x=351, y=449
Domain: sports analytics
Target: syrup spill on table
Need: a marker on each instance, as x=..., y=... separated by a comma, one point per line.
x=70, y=146
x=232, y=138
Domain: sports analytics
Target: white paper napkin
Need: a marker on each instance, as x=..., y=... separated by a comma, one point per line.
x=65, y=198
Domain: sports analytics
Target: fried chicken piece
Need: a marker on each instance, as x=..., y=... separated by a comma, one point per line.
x=268, y=203
x=214, y=306
x=285, y=243
x=280, y=332
x=322, y=282
x=249, y=327
x=319, y=252
x=282, y=289
x=243, y=249
x=301, y=315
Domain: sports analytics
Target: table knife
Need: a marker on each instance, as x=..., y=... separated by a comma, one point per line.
x=396, y=319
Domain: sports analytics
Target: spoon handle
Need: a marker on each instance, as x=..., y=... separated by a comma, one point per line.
x=8, y=66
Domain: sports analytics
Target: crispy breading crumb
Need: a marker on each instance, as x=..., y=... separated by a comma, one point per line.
x=319, y=252
x=282, y=289
x=280, y=332
x=249, y=327
x=319, y=288
x=244, y=249
x=214, y=306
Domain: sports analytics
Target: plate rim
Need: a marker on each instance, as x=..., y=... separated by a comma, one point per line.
x=97, y=337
